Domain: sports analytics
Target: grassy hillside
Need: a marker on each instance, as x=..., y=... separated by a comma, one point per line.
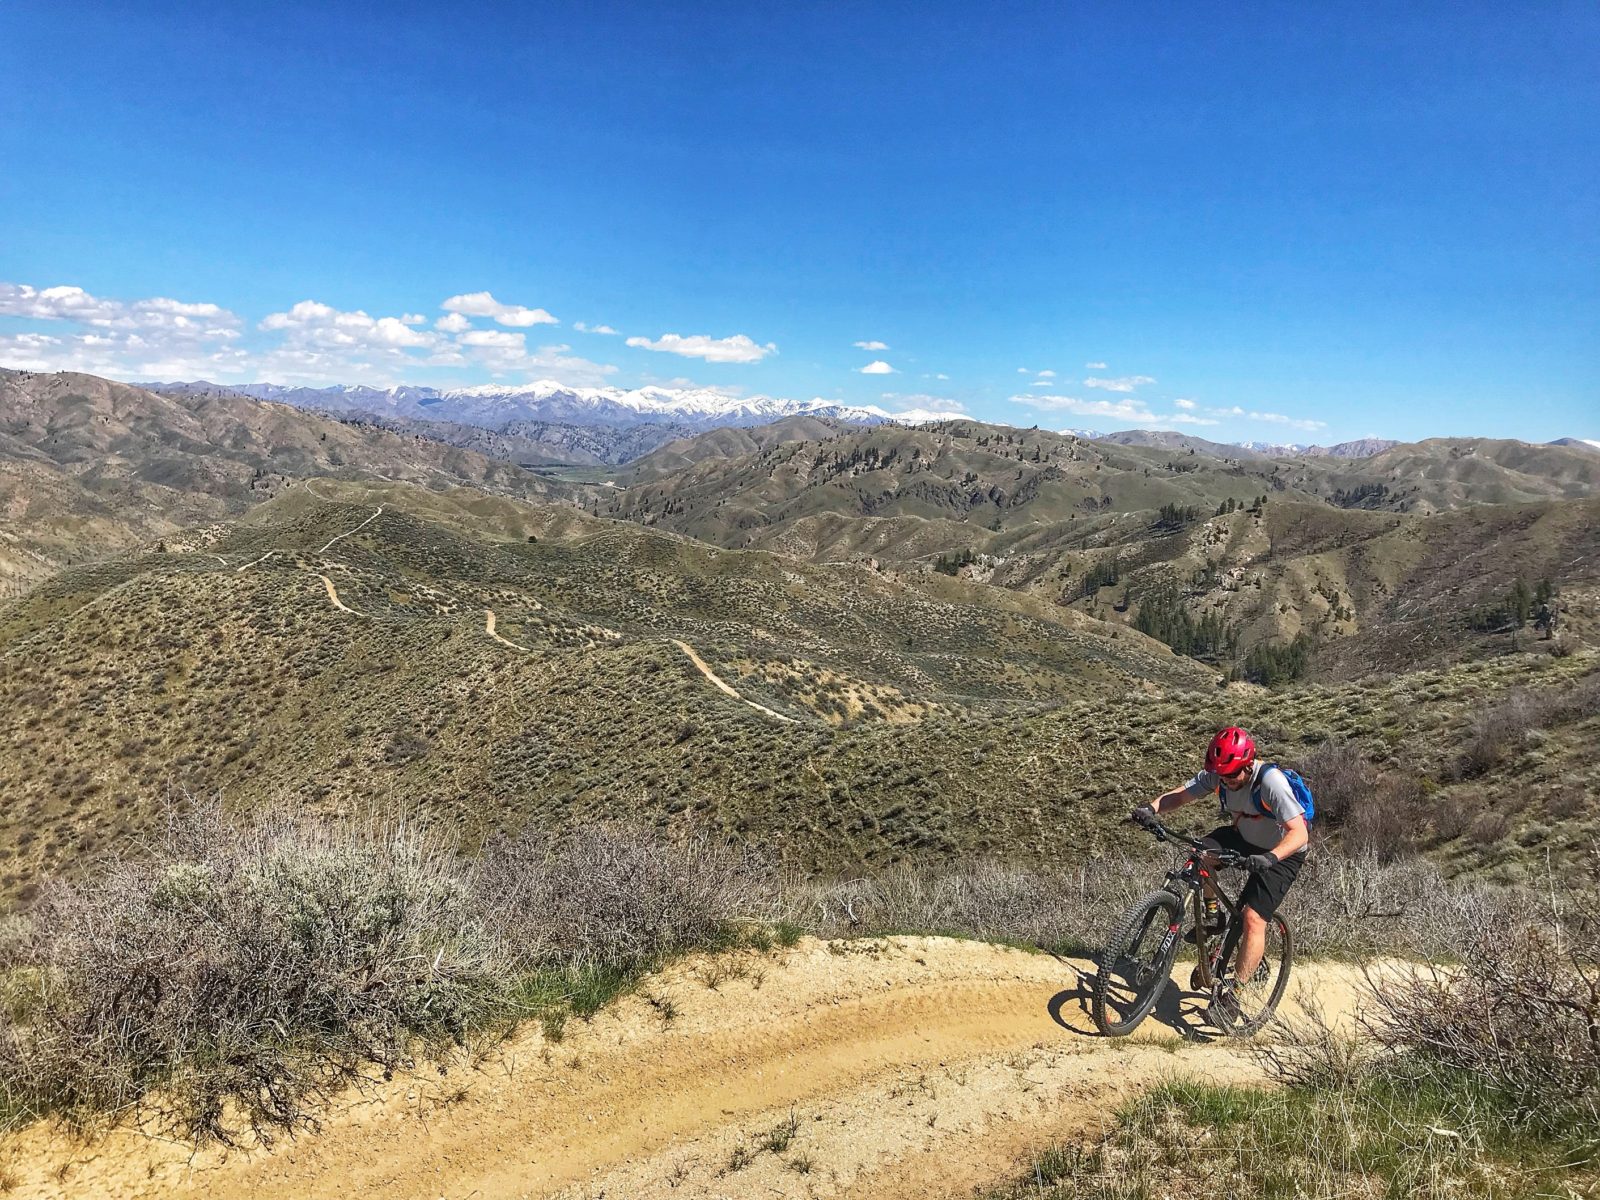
x=1372, y=574
x=928, y=716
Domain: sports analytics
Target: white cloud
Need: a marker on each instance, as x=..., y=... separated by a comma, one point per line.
x=1186, y=405
x=1121, y=410
x=582, y=328
x=1043, y=383
x=311, y=323
x=1126, y=383
x=876, y=368
x=29, y=351
x=1047, y=374
x=172, y=319
x=1280, y=419
x=871, y=345
x=735, y=349
x=1094, y=366
x=494, y=337
x=1129, y=411
x=505, y=353
x=1270, y=418
x=924, y=402
x=1023, y=371
x=941, y=377
x=483, y=304
x=310, y=343
x=115, y=337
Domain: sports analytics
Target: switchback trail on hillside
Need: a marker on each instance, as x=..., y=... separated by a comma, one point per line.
x=889, y=1068
x=721, y=684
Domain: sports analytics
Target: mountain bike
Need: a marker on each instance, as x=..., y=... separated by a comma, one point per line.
x=1136, y=964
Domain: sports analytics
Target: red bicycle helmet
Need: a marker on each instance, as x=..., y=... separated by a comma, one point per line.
x=1230, y=750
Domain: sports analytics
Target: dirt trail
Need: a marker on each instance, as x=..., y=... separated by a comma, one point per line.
x=909, y=1067
x=721, y=685
x=348, y=532
x=488, y=627
x=334, y=596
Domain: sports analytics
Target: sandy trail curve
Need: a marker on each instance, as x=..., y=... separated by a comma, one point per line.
x=722, y=685
x=905, y=1067
x=488, y=627
x=334, y=596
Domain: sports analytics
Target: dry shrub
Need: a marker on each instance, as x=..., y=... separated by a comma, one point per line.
x=234, y=974
x=1358, y=906
x=1565, y=804
x=1385, y=823
x=1340, y=778
x=1342, y=904
x=1377, y=813
x=1452, y=815
x=1500, y=732
x=1497, y=734
x=1521, y=1017
x=611, y=895
x=1067, y=907
x=1490, y=828
x=1313, y=1052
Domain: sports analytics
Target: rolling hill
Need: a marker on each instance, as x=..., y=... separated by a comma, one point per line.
x=88, y=466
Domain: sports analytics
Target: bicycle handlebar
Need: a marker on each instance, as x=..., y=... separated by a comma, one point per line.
x=1224, y=858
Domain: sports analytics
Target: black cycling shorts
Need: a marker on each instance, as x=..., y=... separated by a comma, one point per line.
x=1263, y=892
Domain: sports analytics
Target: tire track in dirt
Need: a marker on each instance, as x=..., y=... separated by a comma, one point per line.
x=721, y=685
x=911, y=1067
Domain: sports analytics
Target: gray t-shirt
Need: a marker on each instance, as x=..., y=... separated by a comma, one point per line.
x=1276, y=795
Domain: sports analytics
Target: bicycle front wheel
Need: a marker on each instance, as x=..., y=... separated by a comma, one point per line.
x=1243, y=1007
x=1136, y=963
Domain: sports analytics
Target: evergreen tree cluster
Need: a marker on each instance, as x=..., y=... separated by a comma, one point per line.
x=1102, y=574
x=1176, y=516
x=1513, y=610
x=1363, y=495
x=951, y=564
x=1163, y=616
x=1273, y=663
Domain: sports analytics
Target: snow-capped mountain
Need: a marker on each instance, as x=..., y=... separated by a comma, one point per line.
x=493, y=406
x=1360, y=448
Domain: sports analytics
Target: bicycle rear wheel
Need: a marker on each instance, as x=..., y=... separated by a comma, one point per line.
x=1136, y=962
x=1240, y=1011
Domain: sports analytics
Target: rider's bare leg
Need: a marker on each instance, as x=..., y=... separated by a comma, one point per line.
x=1252, y=945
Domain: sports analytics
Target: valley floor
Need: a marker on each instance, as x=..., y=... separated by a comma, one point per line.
x=898, y=1067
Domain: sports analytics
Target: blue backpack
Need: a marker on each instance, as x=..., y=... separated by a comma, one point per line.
x=1301, y=790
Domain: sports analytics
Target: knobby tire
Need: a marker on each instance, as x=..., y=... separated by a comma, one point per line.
x=1132, y=961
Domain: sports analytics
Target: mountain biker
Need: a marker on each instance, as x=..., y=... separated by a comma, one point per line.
x=1275, y=841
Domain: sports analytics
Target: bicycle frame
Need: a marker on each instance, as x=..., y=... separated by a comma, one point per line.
x=1191, y=883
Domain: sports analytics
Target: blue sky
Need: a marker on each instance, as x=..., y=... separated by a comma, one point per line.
x=1267, y=222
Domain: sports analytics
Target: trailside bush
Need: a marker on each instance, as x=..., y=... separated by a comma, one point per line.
x=1521, y=1016
x=236, y=973
x=612, y=895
